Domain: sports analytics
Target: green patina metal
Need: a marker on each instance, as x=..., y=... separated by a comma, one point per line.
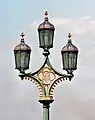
x=45, y=111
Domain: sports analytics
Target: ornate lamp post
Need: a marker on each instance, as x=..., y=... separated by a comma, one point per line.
x=46, y=78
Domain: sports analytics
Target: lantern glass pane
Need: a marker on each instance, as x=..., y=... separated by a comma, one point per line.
x=65, y=60
x=17, y=60
x=51, y=37
x=27, y=59
x=41, y=38
x=70, y=57
x=46, y=38
x=72, y=60
x=75, y=61
x=23, y=59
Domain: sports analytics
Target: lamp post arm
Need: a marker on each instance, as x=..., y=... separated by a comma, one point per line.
x=53, y=85
x=37, y=83
x=29, y=75
x=34, y=73
x=58, y=73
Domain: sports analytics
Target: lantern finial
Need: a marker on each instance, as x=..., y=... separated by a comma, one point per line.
x=69, y=36
x=22, y=37
x=46, y=15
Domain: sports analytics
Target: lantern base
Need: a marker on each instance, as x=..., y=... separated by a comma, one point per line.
x=46, y=52
x=22, y=75
x=70, y=72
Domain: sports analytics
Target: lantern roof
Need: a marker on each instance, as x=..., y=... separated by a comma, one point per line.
x=22, y=46
x=69, y=47
x=46, y=24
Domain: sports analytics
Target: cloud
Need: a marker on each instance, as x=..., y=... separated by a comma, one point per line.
x=73, y=107
x=79, y=26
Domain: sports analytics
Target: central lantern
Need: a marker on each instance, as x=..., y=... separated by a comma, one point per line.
x=46, y=34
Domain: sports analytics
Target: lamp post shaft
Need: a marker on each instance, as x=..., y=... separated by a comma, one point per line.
x=46, y=105
x=46, y=111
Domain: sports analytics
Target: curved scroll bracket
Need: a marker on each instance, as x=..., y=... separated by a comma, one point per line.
x=46, y=78
x=54, y=84
x=58, y=73
x=34, y=73
x=36, y=81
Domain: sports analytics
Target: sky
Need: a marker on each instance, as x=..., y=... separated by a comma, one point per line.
x=73, y=100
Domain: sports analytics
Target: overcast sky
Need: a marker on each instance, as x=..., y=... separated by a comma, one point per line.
x=74, y=100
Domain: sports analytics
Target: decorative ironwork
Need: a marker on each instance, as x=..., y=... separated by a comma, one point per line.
x=37, y=83
x=54, y=84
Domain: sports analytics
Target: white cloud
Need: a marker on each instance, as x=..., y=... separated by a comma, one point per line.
x=79, y=26
x=60, y=21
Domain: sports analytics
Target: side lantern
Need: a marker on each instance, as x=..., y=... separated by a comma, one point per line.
x=22, y=56
x=69, y=56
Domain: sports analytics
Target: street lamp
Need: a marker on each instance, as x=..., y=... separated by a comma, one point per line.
x=46, y=34
x=46, y=77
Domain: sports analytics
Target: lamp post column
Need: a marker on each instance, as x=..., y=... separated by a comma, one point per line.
x=46, y=111
x=46, y=106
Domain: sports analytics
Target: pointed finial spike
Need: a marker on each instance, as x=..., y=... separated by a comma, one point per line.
x=22, y=36
x=46, y=15
x=69, y=36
